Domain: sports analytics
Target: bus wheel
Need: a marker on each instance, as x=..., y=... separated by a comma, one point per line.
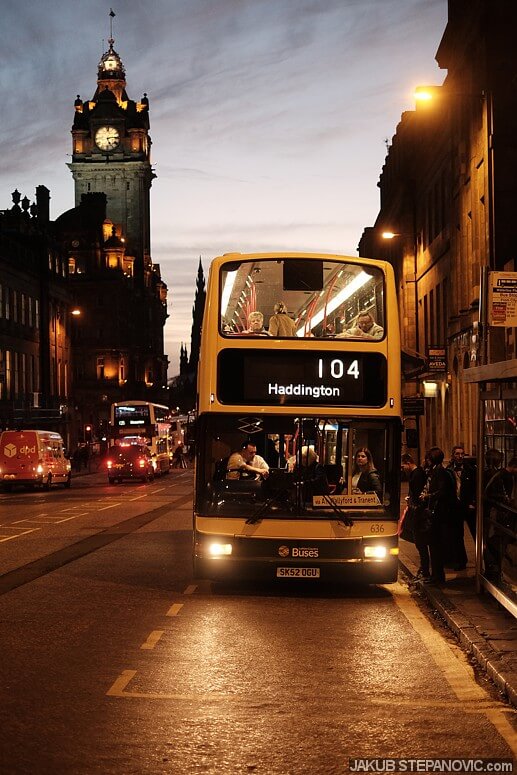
x=68, y=481
x=47, y=485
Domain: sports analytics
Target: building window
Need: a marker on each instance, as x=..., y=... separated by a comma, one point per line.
x=36, y=313
x=15, y=306
x=23, y=306
x=122, y=370
x=100, y=367
x=16, y=373
x=23, y=373
x=30, y=318
x=71, y=266
x=2, y=375
x=7, y=303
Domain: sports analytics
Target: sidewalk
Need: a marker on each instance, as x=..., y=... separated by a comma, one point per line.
x=484, y=628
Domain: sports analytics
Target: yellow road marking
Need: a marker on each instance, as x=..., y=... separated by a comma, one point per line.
x=152, y=640
x=119, y=690
x=475, y=706
x=174, y=609
x=190, y=589
x=458, y=674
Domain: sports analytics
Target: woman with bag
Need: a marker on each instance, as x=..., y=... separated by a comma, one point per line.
x=415, y=515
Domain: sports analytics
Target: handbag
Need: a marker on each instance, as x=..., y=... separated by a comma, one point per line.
x=423, y=522
x=406, y=524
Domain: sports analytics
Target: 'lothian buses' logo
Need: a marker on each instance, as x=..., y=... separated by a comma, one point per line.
x=283, y=551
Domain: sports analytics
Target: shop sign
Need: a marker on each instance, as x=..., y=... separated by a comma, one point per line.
x=502, y=299
x=436, y=359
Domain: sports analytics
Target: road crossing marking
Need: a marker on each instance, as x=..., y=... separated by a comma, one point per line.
x=114, y=505
x=451, y=662
x=17, y=535
x=45, y=519
x=138, y=497
x=190, y=589
x=153, y=639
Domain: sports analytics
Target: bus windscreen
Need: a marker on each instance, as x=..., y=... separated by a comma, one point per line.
x=132, y=416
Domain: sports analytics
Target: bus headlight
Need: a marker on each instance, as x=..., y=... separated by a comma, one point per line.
x=218, y=550
x=375, y=552
x=380, y=552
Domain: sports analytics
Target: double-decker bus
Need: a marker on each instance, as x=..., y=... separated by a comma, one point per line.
x=308, y=393
x=147, y=423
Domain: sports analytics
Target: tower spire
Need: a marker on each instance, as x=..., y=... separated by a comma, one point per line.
x=112, y=15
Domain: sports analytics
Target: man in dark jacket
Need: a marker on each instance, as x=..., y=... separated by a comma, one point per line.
x=464, y=507
x=439, y=496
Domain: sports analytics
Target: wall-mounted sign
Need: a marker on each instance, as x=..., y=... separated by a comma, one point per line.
x=436, y=359
x=413, y=406
x=502, y=299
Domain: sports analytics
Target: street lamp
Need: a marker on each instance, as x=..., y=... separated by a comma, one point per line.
x=76, y=312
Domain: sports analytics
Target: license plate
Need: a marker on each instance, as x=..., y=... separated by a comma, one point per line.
x=298, y=573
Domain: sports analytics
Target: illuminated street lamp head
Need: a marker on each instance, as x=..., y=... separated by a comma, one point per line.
x=389, y=234
x=76, y=312
x=425, y=95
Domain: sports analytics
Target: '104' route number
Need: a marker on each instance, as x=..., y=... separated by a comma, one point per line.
x=337, y=368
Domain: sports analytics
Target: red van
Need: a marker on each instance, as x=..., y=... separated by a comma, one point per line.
x=33, y=458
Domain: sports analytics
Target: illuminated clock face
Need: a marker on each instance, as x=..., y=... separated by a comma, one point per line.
x=107, y=138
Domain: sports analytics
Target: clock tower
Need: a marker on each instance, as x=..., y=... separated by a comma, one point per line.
x=118, y=346
x=111, y=154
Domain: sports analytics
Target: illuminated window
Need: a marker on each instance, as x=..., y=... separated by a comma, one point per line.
x=100, y=367
x=71, y=266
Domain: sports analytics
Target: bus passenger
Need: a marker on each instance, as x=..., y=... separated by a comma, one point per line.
x=256, y=324
x=365, y=477
x=311, y=473
x=365, y=328
x=247, y=462
x=280, y=324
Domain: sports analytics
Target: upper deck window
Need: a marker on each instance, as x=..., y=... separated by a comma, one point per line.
x=302, y=297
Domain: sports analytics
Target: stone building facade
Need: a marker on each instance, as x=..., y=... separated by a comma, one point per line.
x=448, y=192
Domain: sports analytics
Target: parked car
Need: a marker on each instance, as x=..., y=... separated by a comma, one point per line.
x=33, y=457
x=132, y=461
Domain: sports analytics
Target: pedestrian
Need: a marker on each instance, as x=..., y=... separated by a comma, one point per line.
x=438, y=496
x=416, y=510
x=502, y=486
x=493, y=461
x=500, y=522
x=464, y=508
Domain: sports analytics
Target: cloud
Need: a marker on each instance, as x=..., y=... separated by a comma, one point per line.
x=268, y=117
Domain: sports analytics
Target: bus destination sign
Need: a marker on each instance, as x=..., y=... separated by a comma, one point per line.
x=301, y=378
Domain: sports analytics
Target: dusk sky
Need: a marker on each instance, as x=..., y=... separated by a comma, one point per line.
x=269, y=118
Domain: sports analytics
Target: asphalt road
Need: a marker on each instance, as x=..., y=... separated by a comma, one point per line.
x=114, y=660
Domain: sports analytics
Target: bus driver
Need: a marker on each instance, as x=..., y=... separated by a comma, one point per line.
x=248, y=462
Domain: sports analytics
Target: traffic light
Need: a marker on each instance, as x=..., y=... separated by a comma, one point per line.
x=87, y=432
